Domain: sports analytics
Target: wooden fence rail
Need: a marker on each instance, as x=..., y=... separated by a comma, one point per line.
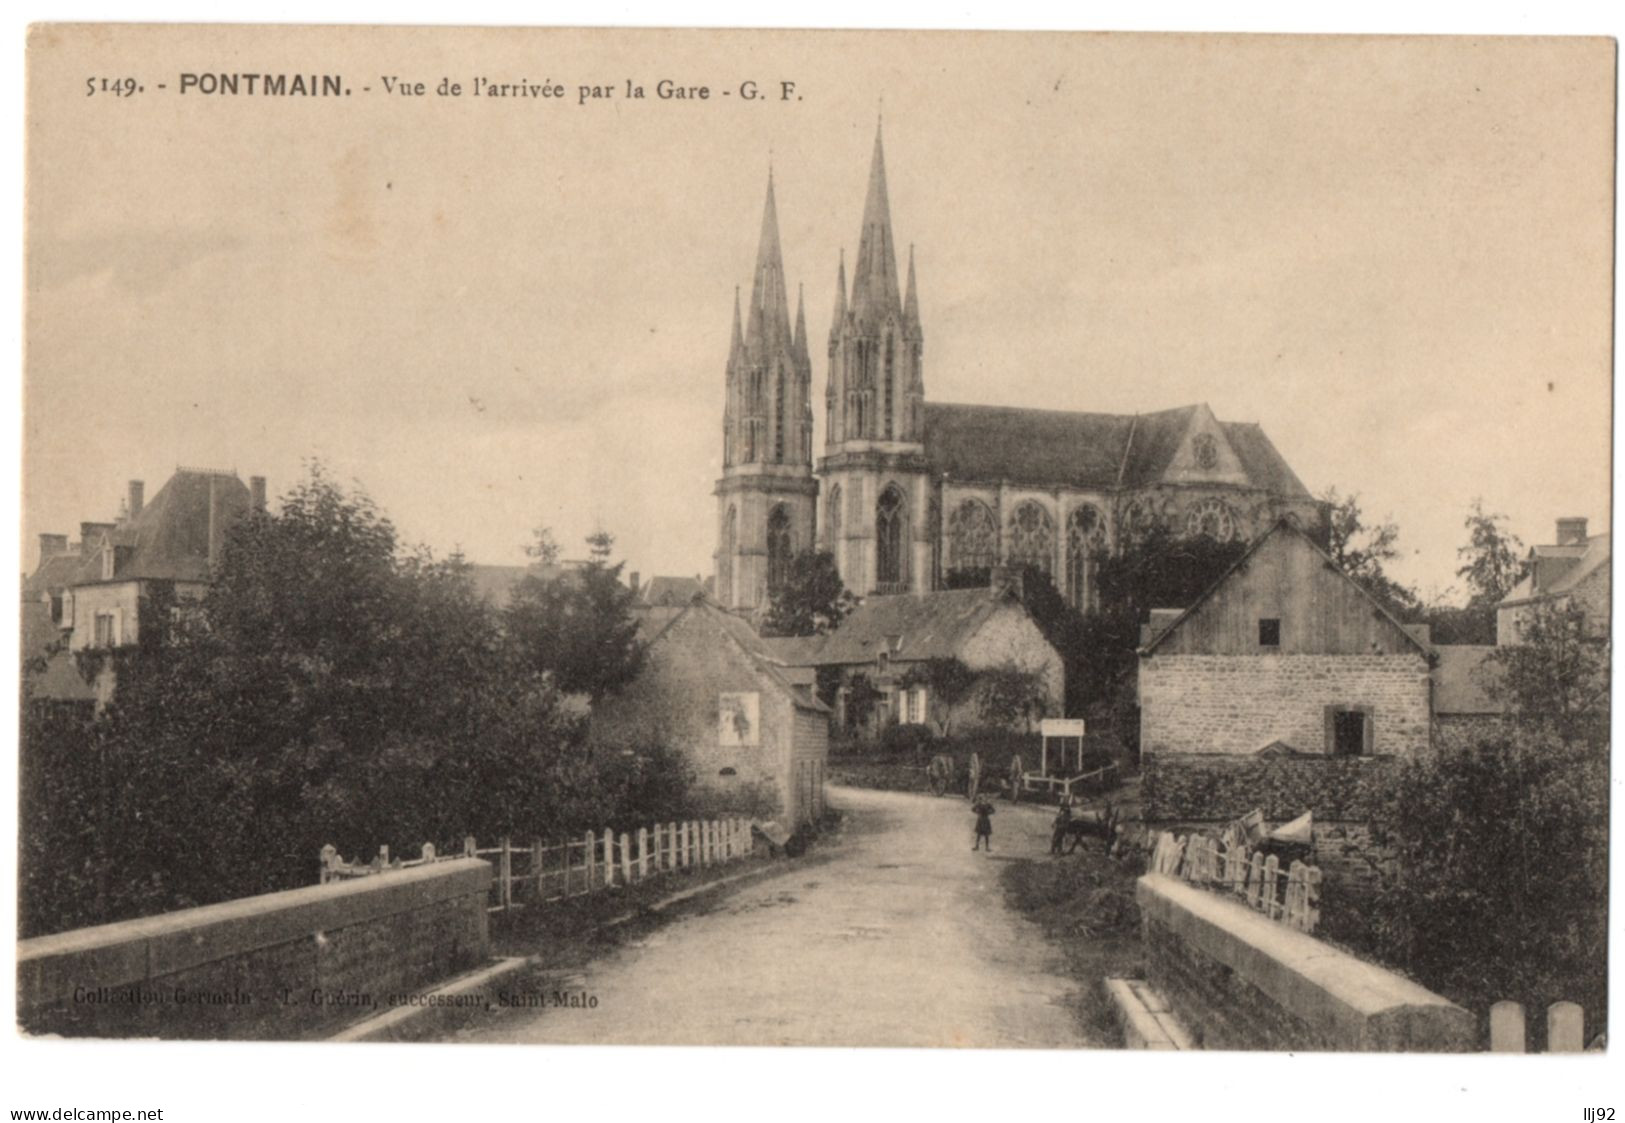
x=539, y=873
x=1291, y=896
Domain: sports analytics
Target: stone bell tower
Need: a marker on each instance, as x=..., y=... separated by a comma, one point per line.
x=876, y=517
x=767, y=496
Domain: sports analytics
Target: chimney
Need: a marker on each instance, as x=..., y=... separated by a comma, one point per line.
x=256, y=488
x=632, y=580
x=138, y=496
x=50, y=545
x=1571, y=532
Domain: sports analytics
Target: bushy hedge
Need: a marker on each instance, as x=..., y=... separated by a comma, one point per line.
x=330, y=687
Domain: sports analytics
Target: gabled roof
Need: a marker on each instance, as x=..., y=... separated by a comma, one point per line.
x=1044, y=447
x=911, y=626
x=55, y=572
x=672, y=591
x=739, y=632
x=1556, y=570
x=169, y=538
x=1283, y=527
x=1459, y=677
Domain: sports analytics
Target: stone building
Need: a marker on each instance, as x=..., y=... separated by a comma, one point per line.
x=887, y=636
x=93, y=592
x=1284, y=688
x=913, y=496
x=710, y=689
x=1574, y=569
x=1285, y=650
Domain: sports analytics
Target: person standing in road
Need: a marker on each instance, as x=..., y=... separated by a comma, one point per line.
x=984, y=824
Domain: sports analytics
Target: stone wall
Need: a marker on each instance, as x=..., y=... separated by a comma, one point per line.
x=1240, y=703
x=1238, y=980
x=278, y=966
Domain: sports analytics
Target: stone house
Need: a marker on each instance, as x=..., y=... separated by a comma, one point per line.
x=1285, y=648
x=710, y=689
x=90, y=594
x=887, y=636
x=1287, y=688
x=1574, y=569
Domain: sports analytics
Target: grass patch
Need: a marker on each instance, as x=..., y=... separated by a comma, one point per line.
x=1085, y=904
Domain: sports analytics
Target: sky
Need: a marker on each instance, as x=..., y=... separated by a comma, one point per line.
x=1394, y=254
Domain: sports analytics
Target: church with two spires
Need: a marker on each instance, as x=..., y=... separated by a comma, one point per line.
x=912, y=496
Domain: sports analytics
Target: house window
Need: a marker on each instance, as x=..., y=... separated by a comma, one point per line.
x=1269, y=633
x=916, y=705
x=1349, y=730
x=106, y=629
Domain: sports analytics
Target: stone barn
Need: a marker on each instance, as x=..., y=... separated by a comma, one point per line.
x=1285, y=687
x=757, y=743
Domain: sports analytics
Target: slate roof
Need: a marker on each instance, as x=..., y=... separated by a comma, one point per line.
x=59, y=678
x=167, y=540
x=56, y=572
x=672, y=590
x=1043, y=447
x=926, y=626
x=739, y=631
x=1559, y=569
x=1458, y=681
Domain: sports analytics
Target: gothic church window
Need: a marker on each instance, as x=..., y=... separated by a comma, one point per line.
x=973, y=539
x=1032, y=537
x=1211, y=517
x=1085, y=535
x=1137, y=520
x=832, y=518
x=890, y=539
x=778, y=549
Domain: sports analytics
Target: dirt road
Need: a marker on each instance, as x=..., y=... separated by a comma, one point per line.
x=900, y=938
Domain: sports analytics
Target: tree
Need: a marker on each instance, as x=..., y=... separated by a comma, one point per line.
x=329, y=687
x=1556, y=677
x=1155, y=569
x=861, y=698
x=812, y=600
x=1503, y=880
x=1492, y=561
x=1360, y=551
x=948, y=682
x=1007, y=695
x=576, y=626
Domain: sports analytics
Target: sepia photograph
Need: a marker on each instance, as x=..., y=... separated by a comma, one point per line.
x=883, y=539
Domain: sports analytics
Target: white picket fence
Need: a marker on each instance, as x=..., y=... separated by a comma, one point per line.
x=1565, y=1028
x=538, y=873
x=1291, y=896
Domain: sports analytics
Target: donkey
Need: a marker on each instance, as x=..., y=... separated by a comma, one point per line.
x=1100, y=822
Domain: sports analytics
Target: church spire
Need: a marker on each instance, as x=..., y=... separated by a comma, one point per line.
x=911, y=301
x=798, y=346
x=739, y=335
x=874, y=277
x=769, y=322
